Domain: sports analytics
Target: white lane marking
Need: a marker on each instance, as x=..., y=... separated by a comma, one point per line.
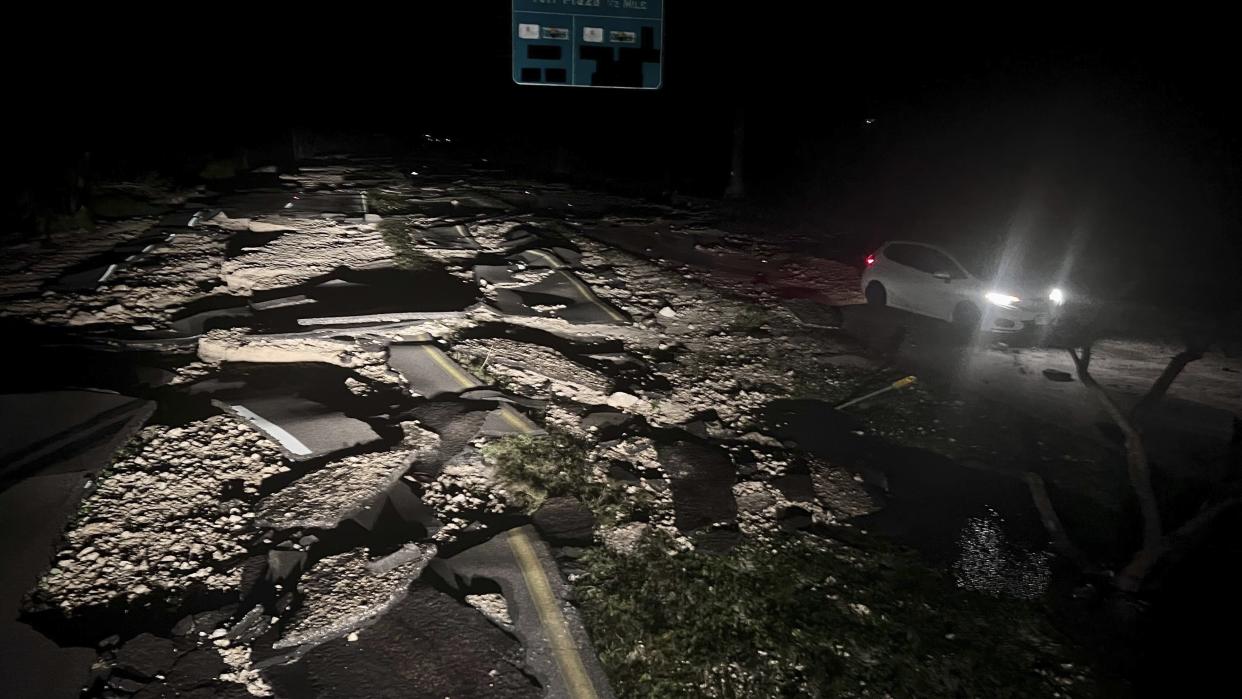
x=288, y=441
x=107, y=273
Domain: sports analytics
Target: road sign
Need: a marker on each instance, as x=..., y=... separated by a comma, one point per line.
x=589, y=43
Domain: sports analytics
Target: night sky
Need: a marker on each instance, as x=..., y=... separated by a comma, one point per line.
x=1123, y=137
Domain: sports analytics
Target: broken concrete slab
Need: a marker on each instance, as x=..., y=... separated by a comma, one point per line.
x=493, y=274
x=157, y=525
x=429, y=371
x=507, y=420
x=378, y=318
x=146, y=655
x=559, y=294
x=325, y=497
x=100, y=268
x=557, y=648
x=289, y=203
x=455, y=237
x=198, y=323
x=606, y=425
x=564, y=288
x=302, y=428
x=428, y=646
x=548, y=258
x=343, y=593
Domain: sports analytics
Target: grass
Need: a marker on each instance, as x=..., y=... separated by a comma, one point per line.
x=476, y=365
x=749, y=316
x=535, y=467
x=386, y=203
x=397, y=237
x=806, y=617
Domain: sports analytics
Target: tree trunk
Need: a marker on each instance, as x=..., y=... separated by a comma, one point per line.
x=1136, y=457
x=1162, y=384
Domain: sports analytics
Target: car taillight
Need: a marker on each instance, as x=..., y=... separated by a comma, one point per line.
x=870, y=259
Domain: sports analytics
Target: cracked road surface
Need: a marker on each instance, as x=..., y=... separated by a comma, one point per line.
x=392, y=417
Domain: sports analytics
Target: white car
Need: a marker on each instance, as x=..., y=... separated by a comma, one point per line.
x=927, y=280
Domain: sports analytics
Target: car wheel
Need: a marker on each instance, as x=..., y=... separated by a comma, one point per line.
x=966, y=316
x=876, y=295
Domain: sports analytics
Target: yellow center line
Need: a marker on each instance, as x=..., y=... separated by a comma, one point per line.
x=590, y=296
x=564, y=650
x=515, y=418
x=556, y=264
x=453, y=371
x=506, y=411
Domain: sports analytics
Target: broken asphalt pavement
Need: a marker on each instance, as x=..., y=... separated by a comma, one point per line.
x=388, y=416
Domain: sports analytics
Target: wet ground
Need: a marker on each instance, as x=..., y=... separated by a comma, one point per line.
x=383, y=399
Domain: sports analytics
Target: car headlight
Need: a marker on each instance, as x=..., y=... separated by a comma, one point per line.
x=1056, y=296
x=999, y=299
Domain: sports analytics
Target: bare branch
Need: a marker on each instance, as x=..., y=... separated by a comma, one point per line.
x=1052, y=522
x=1136, y=455
x=1175, y=367
x=1174, y=545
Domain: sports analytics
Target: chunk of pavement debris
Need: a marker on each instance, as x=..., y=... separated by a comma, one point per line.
x=146, y=655
x=494, y=607
x=341, y=488
x=281, y=565
x=343, y=593
x=668, y=312
x=1057, y=375
x=621, y=400
x=762, y=440
x=565, y=521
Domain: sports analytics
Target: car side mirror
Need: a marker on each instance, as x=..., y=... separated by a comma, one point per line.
x=943, y=275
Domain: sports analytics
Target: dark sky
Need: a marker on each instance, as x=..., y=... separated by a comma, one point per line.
x=1061, y=124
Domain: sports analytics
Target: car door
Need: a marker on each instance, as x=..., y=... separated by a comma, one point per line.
x=948, y=286
x=902, y=280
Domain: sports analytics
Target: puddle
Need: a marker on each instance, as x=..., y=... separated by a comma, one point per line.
x=931, y=498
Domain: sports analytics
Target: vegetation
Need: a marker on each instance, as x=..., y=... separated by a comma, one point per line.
x=748, y=317
x=809, y=617
x=397, y=237
x=534, y=467
x=381, y=202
